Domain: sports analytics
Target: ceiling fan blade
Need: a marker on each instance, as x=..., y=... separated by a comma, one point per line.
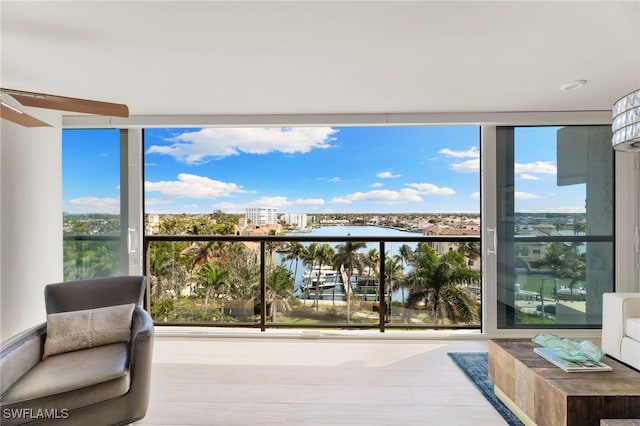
x=19, y=117
x=42, y=100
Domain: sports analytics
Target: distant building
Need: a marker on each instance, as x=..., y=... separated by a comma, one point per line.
x=298, y=220
x=153, y=224
x=262, y=215
x=535, y=250
x=454, y=228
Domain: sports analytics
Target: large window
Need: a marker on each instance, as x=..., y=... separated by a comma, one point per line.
x=214, y=196
x=555, y=225
x=102, y=193
x=91, y=194
x=317, y=182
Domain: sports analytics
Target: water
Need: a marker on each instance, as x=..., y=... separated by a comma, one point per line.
x=353, y=231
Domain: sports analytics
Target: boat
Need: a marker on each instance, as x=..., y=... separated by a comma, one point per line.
x=325, y=278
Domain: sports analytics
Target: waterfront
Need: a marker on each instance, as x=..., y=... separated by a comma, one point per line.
x=348, y=231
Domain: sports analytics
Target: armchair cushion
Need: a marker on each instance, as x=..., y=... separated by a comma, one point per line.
x=633, y=328
x=73, y=379
x=74, y=330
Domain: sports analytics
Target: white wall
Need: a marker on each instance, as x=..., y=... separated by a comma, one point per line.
x=30, y=220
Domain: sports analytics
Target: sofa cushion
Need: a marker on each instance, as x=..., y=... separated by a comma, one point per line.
x=630, y=351
x=73, y=379
x=74, y=330
x=633, y=328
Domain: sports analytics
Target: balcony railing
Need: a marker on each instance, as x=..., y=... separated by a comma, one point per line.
x=266, y=285
x=306, y=281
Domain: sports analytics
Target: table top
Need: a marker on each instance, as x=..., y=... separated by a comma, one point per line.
x=622, y=380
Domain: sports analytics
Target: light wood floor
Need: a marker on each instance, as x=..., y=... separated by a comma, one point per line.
x=308, y=381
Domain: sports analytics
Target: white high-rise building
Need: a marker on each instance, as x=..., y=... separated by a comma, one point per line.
x=262, y=215
x=297, y=219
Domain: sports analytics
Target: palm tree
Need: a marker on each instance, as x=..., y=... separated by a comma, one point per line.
x=308, y=259
x=554, y=256
x=168, y=276
x=279, y=289
x=347, y=257
x=213, y=280
x=295, y=252
x=471, y=250
x=404, y=253
x=371, y=261
x=323, y=255
x=565, y=263
x=211, y=251
x=270, y=247
x=437, y=280
x=392, y=275
x=244, y=272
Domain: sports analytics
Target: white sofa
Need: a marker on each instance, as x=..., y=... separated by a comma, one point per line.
x=621, y=327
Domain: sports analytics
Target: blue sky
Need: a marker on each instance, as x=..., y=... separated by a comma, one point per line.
x=311, y=170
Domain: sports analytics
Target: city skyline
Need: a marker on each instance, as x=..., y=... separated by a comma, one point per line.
x=394, y=169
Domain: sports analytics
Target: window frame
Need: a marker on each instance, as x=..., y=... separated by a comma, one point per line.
x=626, y=167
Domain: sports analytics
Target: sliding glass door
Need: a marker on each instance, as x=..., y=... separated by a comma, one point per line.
x=102, y=217
x=555, y=189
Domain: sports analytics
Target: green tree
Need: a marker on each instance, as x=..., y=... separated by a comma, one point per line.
x=309, y=260
x=295, y=251
x=322, y=255
x=579, y=227
x=392, y=275
x=270, y=248
x=213, y=280
x=554, y=256
x=371, y=262
x=280, y=288
x=437, y=282
x=205, y=252
x=347, y=257
x=244, y=272
x=470, y=249
x=566, y=262
x=404, y=253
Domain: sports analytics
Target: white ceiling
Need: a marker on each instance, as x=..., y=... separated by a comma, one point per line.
x=324, y=57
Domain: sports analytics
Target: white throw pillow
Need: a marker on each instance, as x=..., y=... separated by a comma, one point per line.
x=74, y=330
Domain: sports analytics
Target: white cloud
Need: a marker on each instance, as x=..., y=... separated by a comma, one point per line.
x=157, y=201
x=382, y=196
x=335, y=179
x=310, y=201
x=105, y=205
x=544, y=167
x=387, y=175
x=193, y=186
x=377, y=184
x=469, y=166
x=270, y=202
x=430, y=189
x=527, y=176
x=228, y=207
x=196, y=147
x=472, y=152
x=277, y=202
x=524, y=196
x=475, y=195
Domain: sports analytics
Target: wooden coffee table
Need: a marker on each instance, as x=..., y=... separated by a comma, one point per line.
x=540, y=393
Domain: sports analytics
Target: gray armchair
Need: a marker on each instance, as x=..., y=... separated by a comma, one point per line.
x=104, y=384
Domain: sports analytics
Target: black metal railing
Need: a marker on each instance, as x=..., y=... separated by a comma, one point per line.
x=372, y=310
